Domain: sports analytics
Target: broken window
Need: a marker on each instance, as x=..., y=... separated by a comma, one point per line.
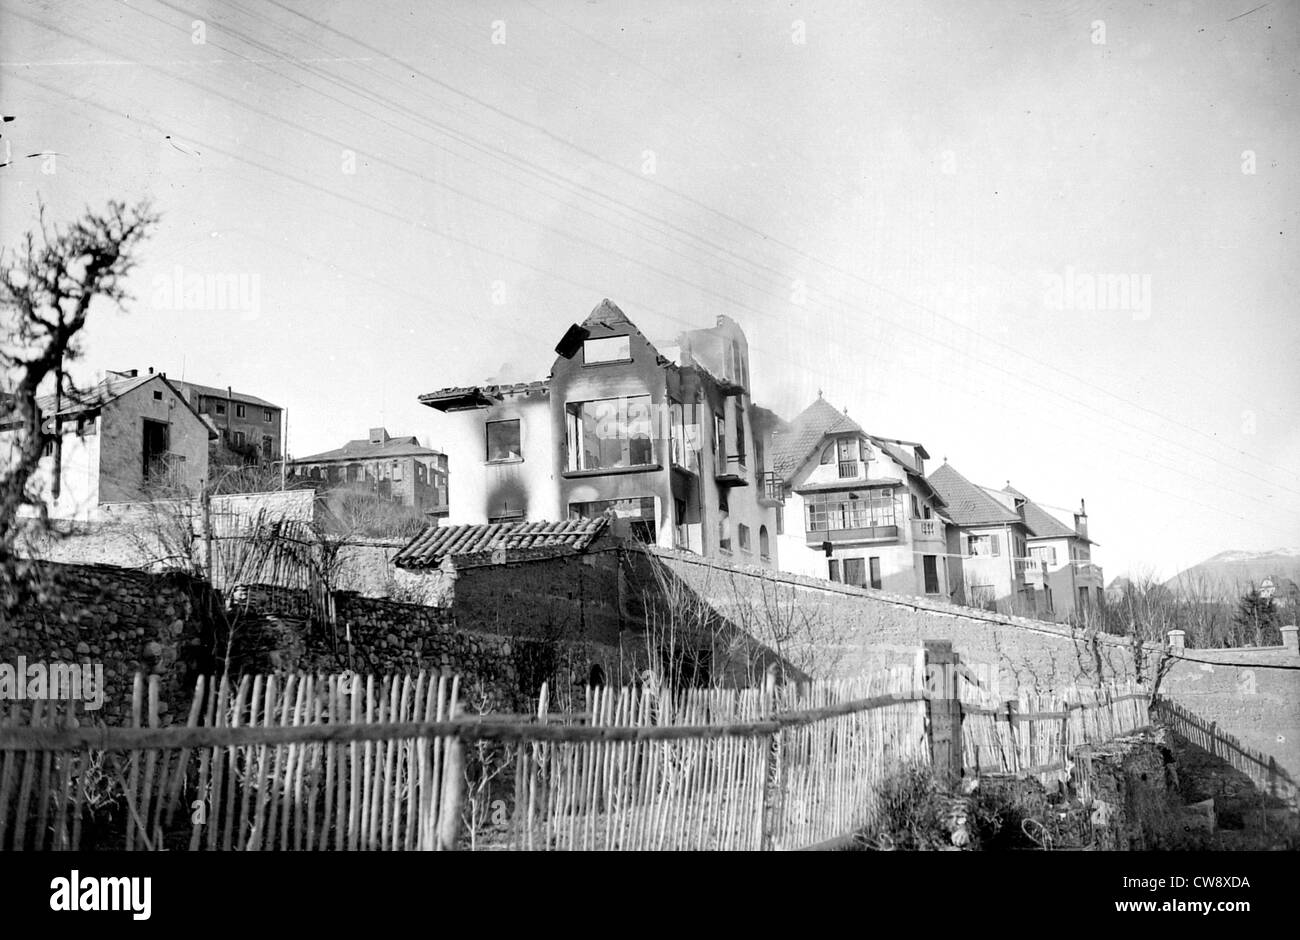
x=239, y=411
x=503, y=440
x=607, y=349
x=609, y=434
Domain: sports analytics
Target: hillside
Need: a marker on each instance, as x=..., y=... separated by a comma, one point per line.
x=1233, y=571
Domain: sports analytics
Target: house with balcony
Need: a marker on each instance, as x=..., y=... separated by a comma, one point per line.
x=1060, y=555
x=857, y=507
x=121, y=440
x=398, y=469
x=663, y=439
x=990, y=538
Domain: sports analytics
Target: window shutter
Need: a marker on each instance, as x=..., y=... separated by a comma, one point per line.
x=994, y=540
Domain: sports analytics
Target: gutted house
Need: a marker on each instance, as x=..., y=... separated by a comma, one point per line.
x=857, y=507
x=124, y=438
x=664, y=439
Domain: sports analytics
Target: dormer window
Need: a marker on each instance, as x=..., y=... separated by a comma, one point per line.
x=607, y=349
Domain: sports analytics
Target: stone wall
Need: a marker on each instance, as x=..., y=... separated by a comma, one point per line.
x=825, y=628
x=1245, y=706
x=127, y=621
x=1248, y=700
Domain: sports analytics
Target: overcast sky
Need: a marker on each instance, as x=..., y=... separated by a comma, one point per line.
x=903, y=204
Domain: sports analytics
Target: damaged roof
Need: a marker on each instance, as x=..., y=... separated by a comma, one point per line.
x=478, y=396
x=430, y=547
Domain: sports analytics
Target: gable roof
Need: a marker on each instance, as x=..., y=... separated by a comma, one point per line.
x=109, y=389
x=791, y=447
x=430, y=547
x=366, y=449
x=969, y=504
x=1041, y=523
x=212, y=391
x=101, y=393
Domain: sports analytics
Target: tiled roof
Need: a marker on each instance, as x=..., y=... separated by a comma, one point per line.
x=366, y=450
x=212, y=391
x=968, y=504
x=97, y=395
x=105, y=391
x=428, y=549
x=1041, y=523
x=790, y=448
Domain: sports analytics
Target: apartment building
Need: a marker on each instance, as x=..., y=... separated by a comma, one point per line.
x=394, y=468
x=662, y=439
x=250, y=428
x=857, y=507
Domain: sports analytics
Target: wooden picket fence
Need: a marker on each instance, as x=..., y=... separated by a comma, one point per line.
x=301, y=762
x=716, y=769
x=1036, y=733
x=342, y=762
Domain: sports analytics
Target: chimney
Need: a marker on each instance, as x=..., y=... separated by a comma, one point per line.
x=378, y=435
x=1081, y=521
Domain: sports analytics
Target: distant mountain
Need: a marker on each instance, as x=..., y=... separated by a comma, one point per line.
x=1231, y=573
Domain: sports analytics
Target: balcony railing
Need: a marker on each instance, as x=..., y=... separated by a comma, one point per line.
x=850, y=469
x=927, y=529
x=1033, y=569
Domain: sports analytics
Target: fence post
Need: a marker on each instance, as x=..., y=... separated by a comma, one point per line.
x=944, y=706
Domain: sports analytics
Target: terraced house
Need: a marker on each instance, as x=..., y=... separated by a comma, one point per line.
x=990, y=540
x=857, y=507
x=662, y=439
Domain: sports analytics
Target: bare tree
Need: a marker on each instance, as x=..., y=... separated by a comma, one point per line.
x=47, y=286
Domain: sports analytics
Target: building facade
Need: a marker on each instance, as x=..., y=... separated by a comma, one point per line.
x=990, y=542
x=251, y=428
x=857, y=507
x=1061, y=567
x=124, y=439
x=394, y=468
x=662, y=439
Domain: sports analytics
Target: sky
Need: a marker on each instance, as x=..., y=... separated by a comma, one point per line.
x=1054, y=241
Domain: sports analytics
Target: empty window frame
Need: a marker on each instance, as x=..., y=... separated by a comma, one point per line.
x=503, y=441
x=609, y=433
x=607, y=349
